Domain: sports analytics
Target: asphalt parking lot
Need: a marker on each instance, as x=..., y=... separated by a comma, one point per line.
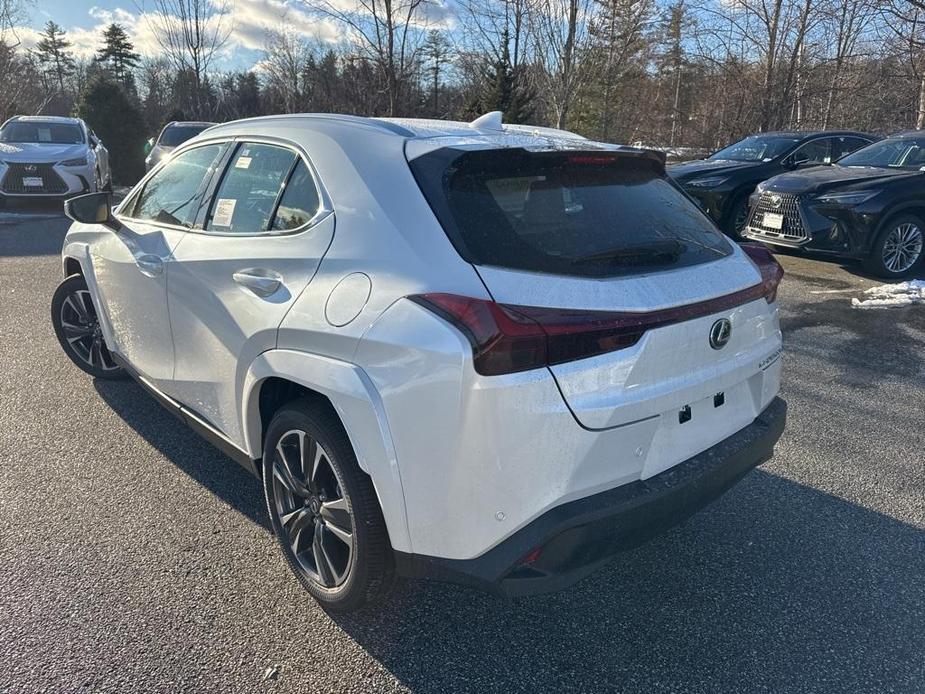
x=136, y=558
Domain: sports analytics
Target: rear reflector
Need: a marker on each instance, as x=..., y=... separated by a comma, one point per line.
x=508, y=339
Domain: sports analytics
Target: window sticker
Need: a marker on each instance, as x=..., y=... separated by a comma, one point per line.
x=224, y=211
x=44, y=134
x=242, y=163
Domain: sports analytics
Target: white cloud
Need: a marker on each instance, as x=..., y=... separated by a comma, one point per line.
x=248, y=22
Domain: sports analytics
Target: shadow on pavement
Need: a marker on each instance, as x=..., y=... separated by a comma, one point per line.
x=776, y=587
x=32, y=228
x=185, y=449
x=851, y=266
x=862, y=351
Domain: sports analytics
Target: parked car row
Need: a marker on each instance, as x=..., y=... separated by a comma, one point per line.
x=520, y=353
x=54, y=157
x=844, y=194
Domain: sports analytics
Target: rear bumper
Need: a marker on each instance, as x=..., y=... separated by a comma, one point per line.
x=569, y=542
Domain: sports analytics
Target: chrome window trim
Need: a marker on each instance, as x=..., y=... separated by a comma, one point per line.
x=325, y=207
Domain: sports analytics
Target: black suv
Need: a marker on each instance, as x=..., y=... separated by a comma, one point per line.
x=722, y=182
x=869, y=205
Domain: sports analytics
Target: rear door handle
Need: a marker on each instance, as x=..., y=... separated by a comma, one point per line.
x=150, y=265
x=260, y=281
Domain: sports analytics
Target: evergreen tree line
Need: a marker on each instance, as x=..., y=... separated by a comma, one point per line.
x=669, y=73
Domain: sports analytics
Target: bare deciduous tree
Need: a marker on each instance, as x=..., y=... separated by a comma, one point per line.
x=191, y=33
x=389, y=33
x=561, y=39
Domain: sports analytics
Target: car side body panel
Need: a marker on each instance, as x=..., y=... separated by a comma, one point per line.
x=360, y=409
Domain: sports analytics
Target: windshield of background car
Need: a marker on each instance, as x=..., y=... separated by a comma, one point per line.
x=580, y=214
x=37, y=131
x=894, y=153
x=756, y=148
x=176, y=135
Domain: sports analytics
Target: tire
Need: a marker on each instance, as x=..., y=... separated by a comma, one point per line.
x=737, y=213
x=899, y=247
x=77, y=328
x=328, y=524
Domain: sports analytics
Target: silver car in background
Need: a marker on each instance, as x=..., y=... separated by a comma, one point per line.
x=50, y=157
x=172, y=136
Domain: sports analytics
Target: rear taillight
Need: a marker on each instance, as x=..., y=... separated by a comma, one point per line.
x=508, y=339
x=771, y=271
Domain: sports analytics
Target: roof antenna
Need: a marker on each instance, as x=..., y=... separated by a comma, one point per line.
x=491, y=121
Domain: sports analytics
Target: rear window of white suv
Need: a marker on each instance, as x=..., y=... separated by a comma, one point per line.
x=587, y=214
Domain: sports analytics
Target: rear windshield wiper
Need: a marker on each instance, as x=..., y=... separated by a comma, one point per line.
x=657, y=251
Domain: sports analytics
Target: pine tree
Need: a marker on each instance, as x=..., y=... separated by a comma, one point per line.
x=436, y=53
x=118, y=122
x=506, y=90
x=52, y=53
x=118, y=53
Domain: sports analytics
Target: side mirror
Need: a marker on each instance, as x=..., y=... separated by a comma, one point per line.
x=92, y=208
x=798, y=161
x=149, y=145
x=94, y=141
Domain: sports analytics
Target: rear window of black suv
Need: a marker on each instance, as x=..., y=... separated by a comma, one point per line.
x=585, y=214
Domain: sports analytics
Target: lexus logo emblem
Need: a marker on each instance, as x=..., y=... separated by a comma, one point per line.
x=31, y=168
x=720, y=333
x=775, y=200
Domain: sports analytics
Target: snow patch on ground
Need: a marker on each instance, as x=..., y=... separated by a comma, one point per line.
x=892, y=295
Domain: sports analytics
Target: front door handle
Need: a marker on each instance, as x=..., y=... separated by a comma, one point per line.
x=262, y=282
x=150, y=265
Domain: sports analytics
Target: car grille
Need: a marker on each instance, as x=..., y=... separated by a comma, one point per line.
x=51, y=181
x=786, y=205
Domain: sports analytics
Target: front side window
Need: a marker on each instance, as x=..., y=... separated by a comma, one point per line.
x=578, y=214
x=250, y=188
x=171, y=196
x=842, y=146
x=756, y=148
x=813, y=152
x=42, y=132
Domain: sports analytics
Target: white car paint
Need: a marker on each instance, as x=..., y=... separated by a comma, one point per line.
x=459, y=460
x=93, y=175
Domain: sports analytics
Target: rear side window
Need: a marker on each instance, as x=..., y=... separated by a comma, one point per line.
x=171, y=195
x=250, y=188
x=299, y=202
x=579, y=214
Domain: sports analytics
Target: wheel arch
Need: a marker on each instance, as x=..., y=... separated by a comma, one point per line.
x=280, y=376
x=914, y=207
x=71, y=266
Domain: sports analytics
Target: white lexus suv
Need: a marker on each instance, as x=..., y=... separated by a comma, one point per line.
x=50, y=157
x=481, y=353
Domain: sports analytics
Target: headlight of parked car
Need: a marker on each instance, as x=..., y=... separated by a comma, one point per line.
x=82, y=161
x=855, y=198
x=711, y=182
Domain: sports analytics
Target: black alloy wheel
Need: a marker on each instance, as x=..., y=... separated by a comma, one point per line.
x=77, y=327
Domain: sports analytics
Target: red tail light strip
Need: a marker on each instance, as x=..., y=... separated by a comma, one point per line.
x=507, y=338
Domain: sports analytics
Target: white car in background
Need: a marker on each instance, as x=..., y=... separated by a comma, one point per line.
x=172, y=136
x=488, y=354
x=50, y=157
